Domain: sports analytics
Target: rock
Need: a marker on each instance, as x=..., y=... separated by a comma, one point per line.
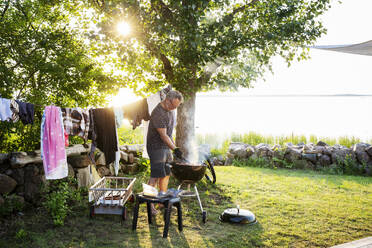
x=228, y=161
x=325, y=160
x=130, y=158
x=292, y=154
x=360, y=147
x=310, y=157
x=341, y=154
x=19, y=176
x=101, y=160
x=319, y=149
x=238, y=149
x=95, y=174
x=369, y=150
x=302, y=164
x=77, y=149
x=124, y=156
x=79, y=161
x=33, y=182
x=301, y=144
x=4, y=158
x=135, y=149
x=7, y=184
x=103, y=171
x=20, y=159
x=71, y=172
x=4, y=167
x=321, y=143
x=84, y=177
x=362, y=157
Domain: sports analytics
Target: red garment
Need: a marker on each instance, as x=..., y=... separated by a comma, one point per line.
x=66, y=139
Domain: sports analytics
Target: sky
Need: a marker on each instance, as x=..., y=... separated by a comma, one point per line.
x=326, y=72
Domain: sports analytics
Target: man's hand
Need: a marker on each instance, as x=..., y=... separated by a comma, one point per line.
x=178, y=153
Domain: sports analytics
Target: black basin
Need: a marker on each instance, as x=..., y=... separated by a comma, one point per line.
x=188, y=173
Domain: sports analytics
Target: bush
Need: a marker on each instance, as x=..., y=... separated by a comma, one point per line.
x=60, y=195
x=12, y=204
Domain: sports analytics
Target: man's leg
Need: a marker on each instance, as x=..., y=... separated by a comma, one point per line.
x=153, y=181
x=163, y=183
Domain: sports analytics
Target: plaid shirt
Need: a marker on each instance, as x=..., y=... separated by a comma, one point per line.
x=15, y=110
x=76, y=122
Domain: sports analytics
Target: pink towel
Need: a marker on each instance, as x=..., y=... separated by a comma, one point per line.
x=53, y=144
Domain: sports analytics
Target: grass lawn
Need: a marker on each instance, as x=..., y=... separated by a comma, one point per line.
x=293, y=209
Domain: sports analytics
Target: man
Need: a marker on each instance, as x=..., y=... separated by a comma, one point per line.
x=159, y=140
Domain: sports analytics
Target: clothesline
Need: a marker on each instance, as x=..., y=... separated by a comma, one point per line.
x=96, y=124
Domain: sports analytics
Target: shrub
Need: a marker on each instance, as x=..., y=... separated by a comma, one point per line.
x=60, y=195
x=12, y=203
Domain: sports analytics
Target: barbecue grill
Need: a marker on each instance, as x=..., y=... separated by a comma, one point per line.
x=189, y=174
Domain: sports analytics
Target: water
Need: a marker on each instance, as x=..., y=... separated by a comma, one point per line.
x=323, y=116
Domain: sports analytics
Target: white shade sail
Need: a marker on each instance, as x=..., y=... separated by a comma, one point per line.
x=364, y=48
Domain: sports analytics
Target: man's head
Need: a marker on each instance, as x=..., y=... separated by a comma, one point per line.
x=173, y=99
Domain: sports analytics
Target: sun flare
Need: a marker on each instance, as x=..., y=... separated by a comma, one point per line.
x=123, y=28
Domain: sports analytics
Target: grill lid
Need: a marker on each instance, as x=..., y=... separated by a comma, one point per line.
x=237, y=215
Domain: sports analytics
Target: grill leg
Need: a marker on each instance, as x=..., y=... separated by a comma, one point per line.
x=197, y=195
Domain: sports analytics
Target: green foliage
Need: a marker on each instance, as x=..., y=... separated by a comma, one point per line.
x=60, y=195
x=46, y=59
x=144, y=164
x=21, y=235
x=220, y=144
x=128, y=136
x=203, y=45
x=11, y=205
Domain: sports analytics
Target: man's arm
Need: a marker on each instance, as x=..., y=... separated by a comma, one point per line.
x=165, y=138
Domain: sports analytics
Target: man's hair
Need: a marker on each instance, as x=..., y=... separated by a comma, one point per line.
x=174, y=94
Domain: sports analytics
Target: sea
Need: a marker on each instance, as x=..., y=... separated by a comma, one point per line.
x=320, y=115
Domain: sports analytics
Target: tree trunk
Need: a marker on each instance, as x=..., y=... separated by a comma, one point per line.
x=185, y=130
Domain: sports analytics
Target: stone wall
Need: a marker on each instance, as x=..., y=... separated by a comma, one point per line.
x=22, y=173
x=303, y=155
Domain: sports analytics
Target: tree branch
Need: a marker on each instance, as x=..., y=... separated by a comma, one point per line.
x=163, y=10
x=228, y=18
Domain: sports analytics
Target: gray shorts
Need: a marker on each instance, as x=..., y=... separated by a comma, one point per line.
x=158, y=160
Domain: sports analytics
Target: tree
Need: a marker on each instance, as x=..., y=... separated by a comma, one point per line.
x=201, y=45
x=44, y=60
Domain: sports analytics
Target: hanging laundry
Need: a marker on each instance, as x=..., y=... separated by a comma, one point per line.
x=26, y=112
x=14, y=107
x=5, y=111
x=92, y=136
x=76, y=122
x=136, y=112
x=105, y=132
x=119, y=116
x=53, y=150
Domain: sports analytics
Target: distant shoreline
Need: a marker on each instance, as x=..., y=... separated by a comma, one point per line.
x=290, y=95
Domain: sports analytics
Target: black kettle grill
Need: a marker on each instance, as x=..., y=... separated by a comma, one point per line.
x=189, y=174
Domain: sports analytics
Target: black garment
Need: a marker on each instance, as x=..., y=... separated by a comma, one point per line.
x=136, y=112
x=105, y=130
x=160, y=118
x=26, y=112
